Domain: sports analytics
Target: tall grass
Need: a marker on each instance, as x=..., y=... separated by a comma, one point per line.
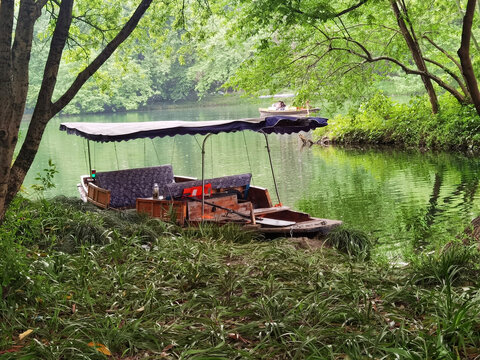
x=353, y=242
x=455, y=262
x=147, y=289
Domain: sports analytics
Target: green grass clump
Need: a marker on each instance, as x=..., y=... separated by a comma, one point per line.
x=66, y=223
x=355, y=243
x=454, y=262
x=147, y=289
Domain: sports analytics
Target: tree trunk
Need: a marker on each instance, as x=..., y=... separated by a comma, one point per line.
x=464, y=55
x=414, y=47
x=13, y=81
x=460, y=10
x=14, y=84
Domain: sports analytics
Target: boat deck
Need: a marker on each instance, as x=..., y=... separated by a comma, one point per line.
x=304, y=223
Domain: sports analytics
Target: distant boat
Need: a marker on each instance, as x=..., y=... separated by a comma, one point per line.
x=288, y=111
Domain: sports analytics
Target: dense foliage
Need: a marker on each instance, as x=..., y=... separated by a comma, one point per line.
x=326, y=53
x=337, y=51
x=137, y=287
x=380, y=120
x=165, y=64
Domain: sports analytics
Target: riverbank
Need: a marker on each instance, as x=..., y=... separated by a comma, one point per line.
x=384, y=121
x=99, y=284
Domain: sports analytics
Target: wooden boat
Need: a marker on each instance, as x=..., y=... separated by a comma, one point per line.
x=287, y=112
x=187, y=200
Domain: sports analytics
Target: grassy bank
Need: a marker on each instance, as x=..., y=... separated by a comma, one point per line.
x=383, y=121
x=93, y=284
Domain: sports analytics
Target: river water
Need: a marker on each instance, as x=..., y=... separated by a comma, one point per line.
x=403, y=198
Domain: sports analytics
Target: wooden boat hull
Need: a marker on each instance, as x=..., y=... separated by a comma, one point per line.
x=252, y=209
x=305, y=225
x=315, y=227
x=264, y=112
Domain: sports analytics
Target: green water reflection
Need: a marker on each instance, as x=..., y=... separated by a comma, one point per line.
x=397, y=195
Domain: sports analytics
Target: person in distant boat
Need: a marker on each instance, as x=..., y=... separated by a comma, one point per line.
x=279, y=105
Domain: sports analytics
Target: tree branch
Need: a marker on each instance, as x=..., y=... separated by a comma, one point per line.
x=84, y=19
x=353, y=67
x=22, y=46
x=451, y=73
x=84, y=75
x=464, y=54
x=351, y=8
x=40, y=4
x=462, y=13
x=444, y=52
x=331, y=16
x=59, y=39
x=367, y=56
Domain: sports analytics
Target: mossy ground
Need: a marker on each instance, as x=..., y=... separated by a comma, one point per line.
x=146, y=289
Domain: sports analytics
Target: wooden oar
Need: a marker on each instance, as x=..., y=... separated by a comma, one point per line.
x=258, y=220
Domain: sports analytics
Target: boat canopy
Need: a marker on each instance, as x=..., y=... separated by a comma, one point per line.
x=106, y=132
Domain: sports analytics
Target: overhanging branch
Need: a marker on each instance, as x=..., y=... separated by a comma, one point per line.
x=333, y=15
x=84, y=75
x=451, y=73
x=444, y=52
x=351, y=8
x=369, y=58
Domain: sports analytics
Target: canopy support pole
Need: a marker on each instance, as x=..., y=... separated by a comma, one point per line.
x=203, y=173
x=271, y=167
x=89, y=159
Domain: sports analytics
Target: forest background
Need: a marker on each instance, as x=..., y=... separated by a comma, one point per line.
x=269, y=47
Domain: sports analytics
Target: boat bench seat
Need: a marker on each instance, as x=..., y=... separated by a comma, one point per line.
x=175, y=190
x=127, y=185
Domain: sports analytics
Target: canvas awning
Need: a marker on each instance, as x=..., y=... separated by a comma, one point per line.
x=106, y=132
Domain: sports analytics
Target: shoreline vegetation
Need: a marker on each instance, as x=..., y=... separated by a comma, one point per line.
x=79, y=282
x=383, y=121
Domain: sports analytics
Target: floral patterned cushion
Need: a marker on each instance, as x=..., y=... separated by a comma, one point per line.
x=175, y=190
x=127, y=185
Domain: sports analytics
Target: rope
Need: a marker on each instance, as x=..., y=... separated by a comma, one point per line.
x=199, y=146
x=248, y=156
x=211, y=158
x=271, y=167
x=156, y=152
x=94, y=153
x=173, y=151
x=85, y=155
x=116, y=155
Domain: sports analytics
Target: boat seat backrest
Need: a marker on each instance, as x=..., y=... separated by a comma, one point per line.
x=175, y=190
x=127, y=185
